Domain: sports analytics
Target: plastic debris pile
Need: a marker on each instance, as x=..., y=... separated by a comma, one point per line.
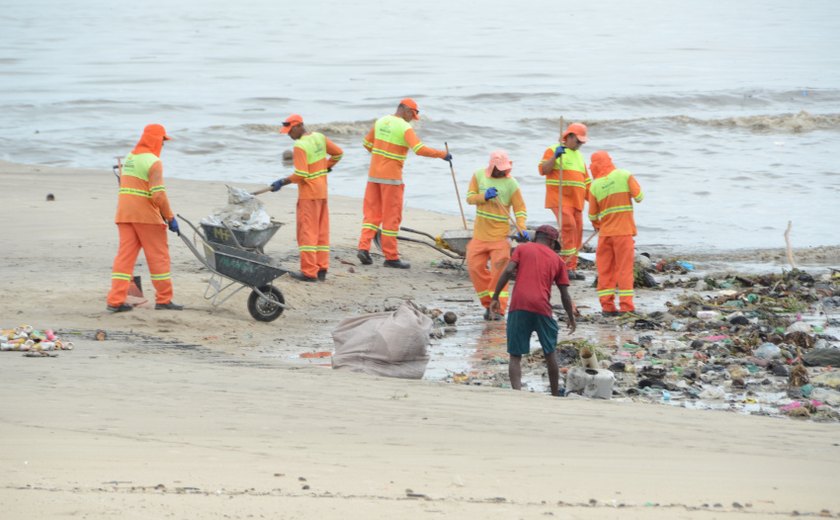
x=26, y=338
x=243, y=212
x=755, y=344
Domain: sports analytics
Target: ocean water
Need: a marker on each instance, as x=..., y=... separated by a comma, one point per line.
x=727, y=112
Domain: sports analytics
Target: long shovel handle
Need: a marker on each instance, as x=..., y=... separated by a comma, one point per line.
x=261, y=191
x=507, y=214
x=457, y=193
x=590, y=238
x=560, y=184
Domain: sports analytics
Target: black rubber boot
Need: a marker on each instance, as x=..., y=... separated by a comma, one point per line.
x=364, y=257
x=397, y=264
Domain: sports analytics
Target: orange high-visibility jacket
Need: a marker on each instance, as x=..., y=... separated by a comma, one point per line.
x=389, y=141
x=575, y=179
x=610, y=204
x=491, y=221
x=311, y=164
x=142, y=197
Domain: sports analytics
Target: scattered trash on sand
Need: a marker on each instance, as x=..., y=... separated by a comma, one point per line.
x=28, y=339
x=755, y=344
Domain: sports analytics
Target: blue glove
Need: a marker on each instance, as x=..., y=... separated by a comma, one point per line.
x=279, y=183
x=524, y=236
x=491, y=193
x=559, y=151
x=448, y=157
x=173, y=226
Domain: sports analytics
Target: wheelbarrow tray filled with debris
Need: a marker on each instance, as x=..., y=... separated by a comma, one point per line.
x=237, y=265
x=255, y=239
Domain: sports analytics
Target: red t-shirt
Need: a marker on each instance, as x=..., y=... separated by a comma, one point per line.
x=537, y=268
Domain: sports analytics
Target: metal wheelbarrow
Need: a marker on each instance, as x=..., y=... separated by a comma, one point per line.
x=236, y=264
x=253, y=240
x=451, y=243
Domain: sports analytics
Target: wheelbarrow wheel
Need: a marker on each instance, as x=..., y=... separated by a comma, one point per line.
x=262, y=309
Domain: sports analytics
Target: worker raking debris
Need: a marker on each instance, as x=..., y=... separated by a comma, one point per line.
x=493, y=191
x=388, y=142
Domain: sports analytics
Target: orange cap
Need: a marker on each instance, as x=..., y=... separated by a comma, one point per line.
x=291, y=121
x=410, y=103
x=601, y=164
x=156, y=130
x=579, y=129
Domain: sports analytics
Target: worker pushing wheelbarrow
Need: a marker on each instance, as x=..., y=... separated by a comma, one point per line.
x=236, y=257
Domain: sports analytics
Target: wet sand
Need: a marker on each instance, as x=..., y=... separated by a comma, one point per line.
x=200, y=414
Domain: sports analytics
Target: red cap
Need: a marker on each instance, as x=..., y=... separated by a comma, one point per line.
x=410, y=103
x=156, y=130
x=579, y=129
x=549, y=231
x=291, y=121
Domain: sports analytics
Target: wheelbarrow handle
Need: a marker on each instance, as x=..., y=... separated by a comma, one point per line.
x=417, y=232
x=450, y=254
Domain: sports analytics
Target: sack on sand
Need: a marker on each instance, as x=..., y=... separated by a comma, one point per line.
x=390, y=344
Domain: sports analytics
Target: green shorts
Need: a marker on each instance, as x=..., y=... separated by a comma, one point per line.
x=520, y=326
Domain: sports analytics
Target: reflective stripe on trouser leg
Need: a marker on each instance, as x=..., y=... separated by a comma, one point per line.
x=310, y=218
x=154, y=243
x=392, y=206
x=625, y=253
x=579, y=239
x=123, y=267
x=484, y=279
x=372, y=211
x=605, y=263
x=568, y=237
x=324, y=236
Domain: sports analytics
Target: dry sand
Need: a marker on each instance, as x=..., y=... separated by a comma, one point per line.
x=197, y=415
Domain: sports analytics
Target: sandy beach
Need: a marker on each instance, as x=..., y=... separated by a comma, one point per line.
x=201, y=413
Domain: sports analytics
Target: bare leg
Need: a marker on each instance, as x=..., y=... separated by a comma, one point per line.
x=515, y=372
x=553, y=373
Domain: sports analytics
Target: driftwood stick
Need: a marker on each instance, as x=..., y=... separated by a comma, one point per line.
x=787, y=243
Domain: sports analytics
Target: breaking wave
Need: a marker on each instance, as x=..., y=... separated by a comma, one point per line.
x=789, y=123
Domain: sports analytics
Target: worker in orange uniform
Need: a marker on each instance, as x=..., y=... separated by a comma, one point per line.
x=313, y=216
x=611, y=212
x=493, y=191
x=566, y=156
x=388, y=142
x=143, y=214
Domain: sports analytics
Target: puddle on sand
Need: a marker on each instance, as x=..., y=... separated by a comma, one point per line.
x=477, y=349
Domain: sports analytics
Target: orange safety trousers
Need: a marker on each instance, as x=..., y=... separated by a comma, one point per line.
x=313, y=236
x=382, y=209
x=484, y=279
x=614, y=260
x=152, y=239
x=571, y=235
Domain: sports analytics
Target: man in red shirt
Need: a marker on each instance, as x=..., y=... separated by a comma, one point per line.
x=537, y=267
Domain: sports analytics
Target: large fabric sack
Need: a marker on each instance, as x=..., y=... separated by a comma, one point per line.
x=390, y=344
